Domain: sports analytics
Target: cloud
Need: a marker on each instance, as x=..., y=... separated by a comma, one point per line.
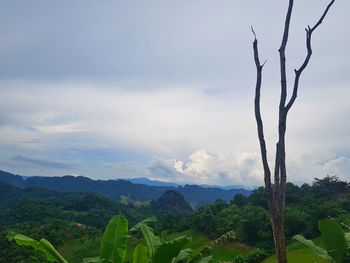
x=168, y=79
x=164, y=168
x=244, y=168
x=172, y=41
x=72, y=120
x=204, y=168
x=44, y=162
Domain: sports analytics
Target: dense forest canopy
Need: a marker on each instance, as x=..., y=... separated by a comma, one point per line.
x=65, y=217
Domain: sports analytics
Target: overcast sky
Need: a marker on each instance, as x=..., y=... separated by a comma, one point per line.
x=165, y=89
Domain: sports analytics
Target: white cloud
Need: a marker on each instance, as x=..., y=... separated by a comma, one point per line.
x=204, y=168
x=172, y=124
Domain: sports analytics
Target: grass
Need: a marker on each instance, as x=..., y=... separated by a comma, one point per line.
x=227, y=251
x=298, y=253
x=301, y=255
x=76, y=250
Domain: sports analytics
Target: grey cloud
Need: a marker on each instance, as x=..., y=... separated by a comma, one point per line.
x=69, y=71
x=44, y=162
x=172, y=40
x=163, y=168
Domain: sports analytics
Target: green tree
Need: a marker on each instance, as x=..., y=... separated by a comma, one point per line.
x=239, y=200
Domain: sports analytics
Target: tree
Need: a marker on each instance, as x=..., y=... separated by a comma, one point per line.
x=239, y=200
x=276, y=191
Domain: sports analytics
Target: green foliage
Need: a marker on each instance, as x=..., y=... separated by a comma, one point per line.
x=172, y=201
x=335, y=241
x=167, y=251
x=42, y=245
x=255, y=256
x=152, y=241
x=114, y=240
x=300, y=255
x=140, y=254
x=329, y=186
x=113, y=243
x=296, y=221
x=161, y=251
x=42, y=213
x=253, y=227
x=183, y=256
x=239, y=200
x=318, y=250
x=333, y=238
x=175, y=221
x=114, y=246
x=258, y=197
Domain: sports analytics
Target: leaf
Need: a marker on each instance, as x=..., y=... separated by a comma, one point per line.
x=49, y=247
x=318, y=250
x=347, y=238
x=184, y=255
x=140, y=254
x=152, y=241
x=333, y=239
x=43, y=246
x=114, y=240
x=144, y=222
x=169, y=250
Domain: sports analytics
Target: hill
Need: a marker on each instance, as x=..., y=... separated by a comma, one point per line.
x=194, y=194
x=172, y=201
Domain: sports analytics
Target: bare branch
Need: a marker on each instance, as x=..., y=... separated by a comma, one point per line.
x=323, y=16
x=283, y=55
x=259, y=122
x=251, y=27
x=298, y=72
x=286, y=25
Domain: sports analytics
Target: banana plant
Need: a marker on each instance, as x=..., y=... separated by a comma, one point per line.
x=158, y=251
x=336, y=243
x=114, y=246
x=113, y=243
x=43, y=245
x=112, y=250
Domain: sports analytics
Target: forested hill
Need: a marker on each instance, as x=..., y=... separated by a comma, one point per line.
x=194, y=194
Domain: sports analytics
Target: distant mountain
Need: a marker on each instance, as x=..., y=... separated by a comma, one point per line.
x=150, y=182
x=12, y=179
x=228, y=187
x=194, y=194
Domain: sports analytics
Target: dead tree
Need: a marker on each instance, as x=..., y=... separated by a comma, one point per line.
x=276, y=190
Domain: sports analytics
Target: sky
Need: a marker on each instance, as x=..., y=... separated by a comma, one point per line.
x=164, y=89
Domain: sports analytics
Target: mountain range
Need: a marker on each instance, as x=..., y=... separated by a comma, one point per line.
x=151, y=182
x=194, y=194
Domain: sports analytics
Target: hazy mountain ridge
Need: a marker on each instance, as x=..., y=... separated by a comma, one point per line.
x=151, y=182
x=194, y=194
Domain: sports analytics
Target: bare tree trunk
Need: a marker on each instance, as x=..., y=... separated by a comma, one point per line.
x=276, y=191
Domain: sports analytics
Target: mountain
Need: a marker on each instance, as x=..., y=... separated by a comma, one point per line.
x=150, y=182
x=228, y=187
x=194, y=194
x=12, y=179
x=172, y=201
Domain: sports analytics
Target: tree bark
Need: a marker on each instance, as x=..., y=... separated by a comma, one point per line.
x=276, y=192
